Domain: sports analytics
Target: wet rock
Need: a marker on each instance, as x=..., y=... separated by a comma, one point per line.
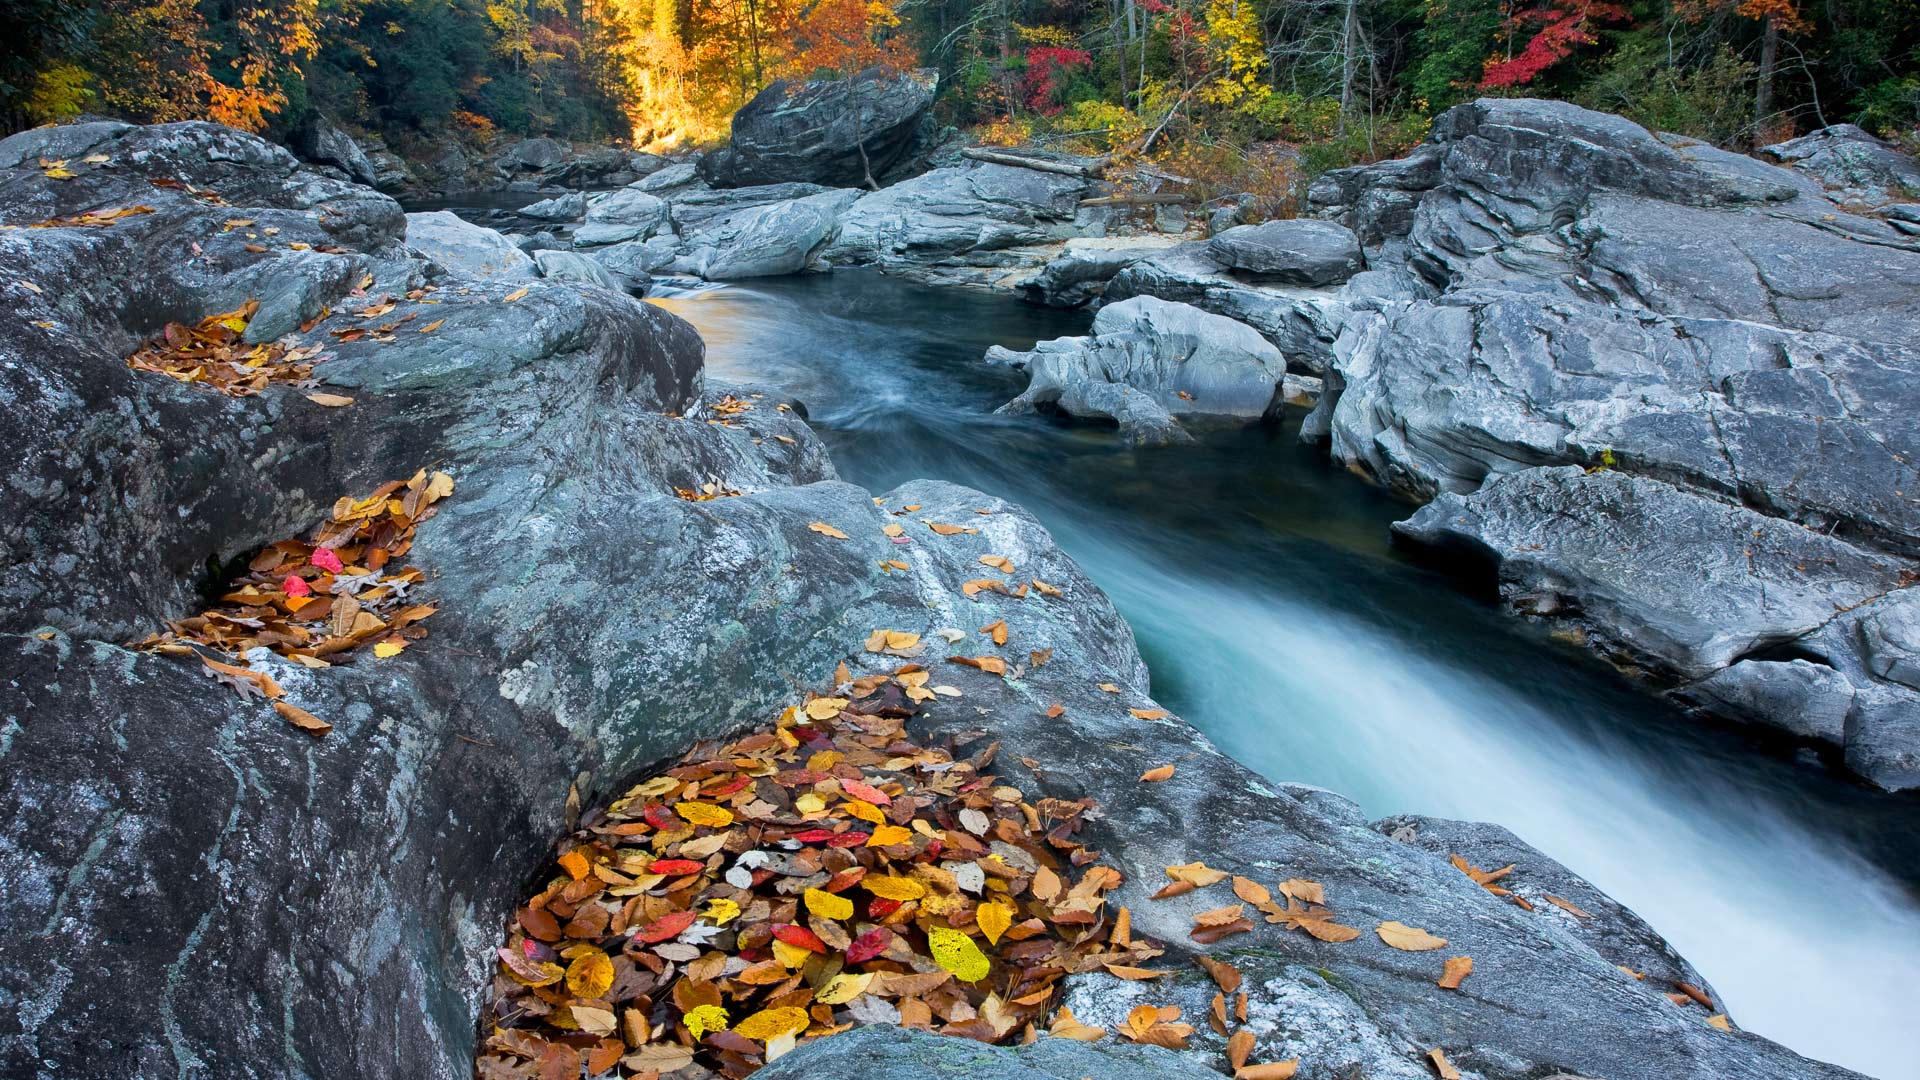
x=569, y=207
x=628, y=214
x=467, y=249
x=1295, y=252
x=836, y=132
x=534, y=154
x=1145, y=359
x=1081, y=272
x=1691, y=589
x=571, y=266
x=1855, y=168
x=761, y=241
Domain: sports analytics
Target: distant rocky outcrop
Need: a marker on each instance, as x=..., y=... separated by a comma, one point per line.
x=190, y=886
x=835, y=132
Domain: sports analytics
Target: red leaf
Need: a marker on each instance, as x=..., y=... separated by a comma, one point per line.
x=667, y=926
x=295, y=585
x=861, y=790
x=675, y=866
x=325, y=559
x=792, y=935
x=872, y=943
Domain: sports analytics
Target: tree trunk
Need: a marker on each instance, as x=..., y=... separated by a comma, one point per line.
x=1769, y=58
x=1348, y=62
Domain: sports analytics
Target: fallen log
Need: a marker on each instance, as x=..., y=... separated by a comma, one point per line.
x=1158, y=198
x=1088, y=172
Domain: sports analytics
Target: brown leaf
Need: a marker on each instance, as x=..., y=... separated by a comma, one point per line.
x=1456, y=969
x=1238, y=1047
x=1568, y=906
x=302, y=719
x=332, y=401
x=1149, y=714
x=1277, y=1070
x=516, y=294
x=1442, y=1065
x=1251, y=891
x=1224, y=975
x=825, y=529
x=1157, y=774
x=1408, y=938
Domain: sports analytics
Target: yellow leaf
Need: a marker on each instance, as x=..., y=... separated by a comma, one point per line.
x=700, y=813
x=843, y=988
x=1442, y=1065
x=432, y=326
x=721, y=911
x=893, y=530
x=590, y=975
x=888, y=887
x=790, y=956
x=514, y=295
x=825, y=529
x=810, y=803
x=1719, y=1020
x=889, y=834
x=1067, y=1026
x=332, y=401
x=828, y=905
x=1407, y=938
x=385, y=649
x=1196, y=873
x=866, y=811
x=440, y=486
x=993, y=920
x=1154, y=776
x=950, y=530
x=704, y=1018
x=826, y=708
x=575, y=864
x=772, y=1023
x=956, y=952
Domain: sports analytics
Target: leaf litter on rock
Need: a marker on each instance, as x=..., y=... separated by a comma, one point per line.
x=214, y=354
x=824, y=873
x=318, y=599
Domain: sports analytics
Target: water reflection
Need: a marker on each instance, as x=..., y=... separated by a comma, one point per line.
x=1277, y=619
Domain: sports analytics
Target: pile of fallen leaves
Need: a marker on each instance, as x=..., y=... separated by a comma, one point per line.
x=800, y=881
x=92, y=219
x=311, y=600
x=213, y=354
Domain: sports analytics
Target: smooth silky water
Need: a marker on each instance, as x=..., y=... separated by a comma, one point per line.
x=1276, y=618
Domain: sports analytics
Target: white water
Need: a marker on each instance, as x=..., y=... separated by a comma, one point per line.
x=1276, y=620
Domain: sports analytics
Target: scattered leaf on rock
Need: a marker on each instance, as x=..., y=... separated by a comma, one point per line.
x=302, y=719
x=1148, y=714
x=1156, y=775
x=1408, y=938
x=1274, y=1070
x=1442, y=1065
x=825, y=529
x=213, y=354
x=1456, y=969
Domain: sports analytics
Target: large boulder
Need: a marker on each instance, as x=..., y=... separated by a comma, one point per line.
x=569, y=207
x=837, y=132
x=1300, y=251
x=1080, y=273
x=321, y=141
x=762, y=241
x=575, y=267
x=467, y=249
x=631, y=213
x=1145, y=360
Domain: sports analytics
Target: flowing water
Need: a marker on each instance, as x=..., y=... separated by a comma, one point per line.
x=1278, y=620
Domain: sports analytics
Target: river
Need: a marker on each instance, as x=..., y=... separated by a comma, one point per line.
x=1277, y=619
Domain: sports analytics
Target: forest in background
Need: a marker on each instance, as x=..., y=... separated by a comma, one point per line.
x=1213, y=85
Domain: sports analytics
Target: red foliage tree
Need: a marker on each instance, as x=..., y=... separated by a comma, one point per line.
x=1042, y=83
x=1563, y=26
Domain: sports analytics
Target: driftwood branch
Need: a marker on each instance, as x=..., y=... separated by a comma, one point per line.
x=1158, y=198
x=1037, y=164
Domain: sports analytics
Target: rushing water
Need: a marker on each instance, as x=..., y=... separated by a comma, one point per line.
x=1278, y=620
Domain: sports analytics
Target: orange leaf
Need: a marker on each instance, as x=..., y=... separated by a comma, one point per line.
x=1154, y=776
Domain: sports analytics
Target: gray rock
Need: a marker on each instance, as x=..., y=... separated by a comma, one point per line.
x=892, y=1053
x=569, y=207
x=323, y=142
x=1301, y=322
x=571, y=266
x=535, y=154
x=694, y=207
x=1891, y=639
x=1146, y=359
x=1855, y=168
x=761, y=241
x=835, y=132
x=627, y=214
x=1295, y=252
x=671, y=180
x=969, y=224
x=1804, y=699
x=635, y=260
x=1081, y=272
x=467, y=249
x=391, y=172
